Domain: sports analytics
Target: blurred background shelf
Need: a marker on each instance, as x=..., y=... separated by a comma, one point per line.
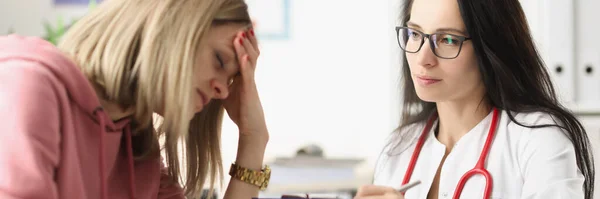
x=313, y=173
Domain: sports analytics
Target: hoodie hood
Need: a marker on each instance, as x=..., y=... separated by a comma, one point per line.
x=63, y=68
x=79, y=89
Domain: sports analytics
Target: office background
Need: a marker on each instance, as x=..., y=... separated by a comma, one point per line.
x=329, y=71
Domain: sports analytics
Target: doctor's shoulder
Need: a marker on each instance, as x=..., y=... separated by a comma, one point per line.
x=536, y=131
x=540, y=136
x=537, y=124
x=546, y=152
x=396, y=144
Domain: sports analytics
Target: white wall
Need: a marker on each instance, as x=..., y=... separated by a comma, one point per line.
x=332, y=83
x=27, y=17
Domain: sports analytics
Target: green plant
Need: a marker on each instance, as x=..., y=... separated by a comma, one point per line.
x=53, y=34
x=11, y=30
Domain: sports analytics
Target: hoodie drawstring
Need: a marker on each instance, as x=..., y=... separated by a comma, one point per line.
x=103, y=189
x=101, y=154
x=130, y=159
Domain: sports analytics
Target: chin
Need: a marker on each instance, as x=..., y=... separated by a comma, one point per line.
x=429, y=96
x=432, y=100
x=191, y=115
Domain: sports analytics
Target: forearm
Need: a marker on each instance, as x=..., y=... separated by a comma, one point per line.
x=251, y=150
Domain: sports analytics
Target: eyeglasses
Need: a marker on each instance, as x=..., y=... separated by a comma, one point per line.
x=443, y=45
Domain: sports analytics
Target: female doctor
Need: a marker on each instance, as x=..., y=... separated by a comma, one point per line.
x=485, y=120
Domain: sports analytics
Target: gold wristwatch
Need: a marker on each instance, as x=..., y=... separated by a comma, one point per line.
x=258, y=178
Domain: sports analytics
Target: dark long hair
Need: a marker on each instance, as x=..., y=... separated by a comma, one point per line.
x=512, y=70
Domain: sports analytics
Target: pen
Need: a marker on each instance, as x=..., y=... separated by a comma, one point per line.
x=402, y=189
x=405, y=187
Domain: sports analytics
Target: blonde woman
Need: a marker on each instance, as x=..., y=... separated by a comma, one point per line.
x=77, y=122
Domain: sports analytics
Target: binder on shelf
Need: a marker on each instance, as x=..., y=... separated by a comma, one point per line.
x=533, y=12
x=587, y=53
x=559, y=46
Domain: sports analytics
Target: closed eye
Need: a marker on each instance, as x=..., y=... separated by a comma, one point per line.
x=220, y=60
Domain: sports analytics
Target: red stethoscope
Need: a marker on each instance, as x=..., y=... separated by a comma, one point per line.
x=479, y=167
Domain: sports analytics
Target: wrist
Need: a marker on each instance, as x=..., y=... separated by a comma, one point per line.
x=257, y=137
x=251, y=151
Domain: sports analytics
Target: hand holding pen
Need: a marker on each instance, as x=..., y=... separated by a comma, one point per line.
x=382, y=192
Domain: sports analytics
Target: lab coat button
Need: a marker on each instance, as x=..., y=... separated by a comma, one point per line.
x=445, y=194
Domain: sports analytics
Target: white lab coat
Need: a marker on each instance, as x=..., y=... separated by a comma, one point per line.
x=524, y=162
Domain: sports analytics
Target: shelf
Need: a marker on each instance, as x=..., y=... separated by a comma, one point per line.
x=584, y=109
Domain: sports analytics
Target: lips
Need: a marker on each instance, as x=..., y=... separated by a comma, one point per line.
x=205, y=100
x=427, y=80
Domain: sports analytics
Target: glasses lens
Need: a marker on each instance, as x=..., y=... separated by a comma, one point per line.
x=445, y=45
x=409, y=39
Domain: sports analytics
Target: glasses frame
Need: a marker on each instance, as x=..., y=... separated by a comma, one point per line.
x=462, y=39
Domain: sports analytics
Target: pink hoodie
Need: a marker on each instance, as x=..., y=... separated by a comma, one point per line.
x=57, y=142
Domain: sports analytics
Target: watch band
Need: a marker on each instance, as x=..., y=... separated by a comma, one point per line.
x=257, y=178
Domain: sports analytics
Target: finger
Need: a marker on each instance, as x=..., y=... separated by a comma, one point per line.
x=240, y=50
x=250, y=48
x=254, y=40
x=374, y=190
x=246, y=69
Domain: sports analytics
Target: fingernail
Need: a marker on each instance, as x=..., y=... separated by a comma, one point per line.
x=241, y=41
x=252, y=32
x=244, y=34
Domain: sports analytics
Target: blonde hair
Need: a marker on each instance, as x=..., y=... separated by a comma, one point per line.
x=140, y=54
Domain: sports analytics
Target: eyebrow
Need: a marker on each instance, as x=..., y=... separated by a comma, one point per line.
x=439, y=29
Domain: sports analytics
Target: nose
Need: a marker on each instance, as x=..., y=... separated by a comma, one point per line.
x=425, y=56
x=220, y=89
